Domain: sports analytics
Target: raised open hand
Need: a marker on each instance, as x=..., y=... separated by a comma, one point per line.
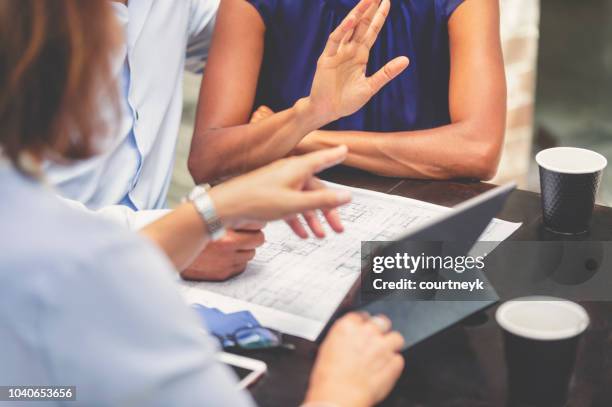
x=340, y=86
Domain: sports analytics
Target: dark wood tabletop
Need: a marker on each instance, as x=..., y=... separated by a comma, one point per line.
x=463, y=365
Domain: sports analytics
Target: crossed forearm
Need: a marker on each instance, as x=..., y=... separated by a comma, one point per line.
x=453, y=151
x=253, y=145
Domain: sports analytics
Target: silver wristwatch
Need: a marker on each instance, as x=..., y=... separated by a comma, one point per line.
x=200, y=198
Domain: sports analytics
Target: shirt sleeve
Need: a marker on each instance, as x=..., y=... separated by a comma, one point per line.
x=201, y=26
x=118, y=330
x=265, y=8
x=450, y=6
x=120, y=214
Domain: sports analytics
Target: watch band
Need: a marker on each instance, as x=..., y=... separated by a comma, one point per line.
x=206, y=208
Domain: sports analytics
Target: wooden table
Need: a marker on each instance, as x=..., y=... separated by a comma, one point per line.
x=463, y=365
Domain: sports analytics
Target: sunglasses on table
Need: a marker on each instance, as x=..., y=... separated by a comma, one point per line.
x=253, y=338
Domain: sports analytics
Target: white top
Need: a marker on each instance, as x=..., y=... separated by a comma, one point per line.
x=571, y=160
x=542, y=318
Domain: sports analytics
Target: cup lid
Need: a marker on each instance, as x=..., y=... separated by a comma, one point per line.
x=571, y=160
x=542, y=318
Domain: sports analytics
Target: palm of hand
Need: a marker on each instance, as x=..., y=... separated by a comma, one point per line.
x=340, y=81
x=340, y=86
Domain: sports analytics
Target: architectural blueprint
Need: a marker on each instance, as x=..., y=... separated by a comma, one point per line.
x=296, y=285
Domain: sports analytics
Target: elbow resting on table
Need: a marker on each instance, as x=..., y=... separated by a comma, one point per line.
x=482, y=156
x=195, y=170
x=484, y=163
x=199, y=169
x=202, y=165
x=477, y=152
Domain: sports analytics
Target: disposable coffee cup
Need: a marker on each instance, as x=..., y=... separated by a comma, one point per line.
x=541, y=336
x=569, y=180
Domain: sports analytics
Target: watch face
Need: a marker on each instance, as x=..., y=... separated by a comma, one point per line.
x=197, y=191
x=206, y=208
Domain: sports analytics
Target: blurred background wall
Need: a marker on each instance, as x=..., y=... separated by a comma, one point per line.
x=519, y=33
x=574, y=85
x=558, y=56
x=181, y=179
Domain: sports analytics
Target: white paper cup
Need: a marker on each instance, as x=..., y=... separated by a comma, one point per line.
x=541, y=336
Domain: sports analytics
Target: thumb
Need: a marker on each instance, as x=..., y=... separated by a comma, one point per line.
x=261, y=113
x=388, y=73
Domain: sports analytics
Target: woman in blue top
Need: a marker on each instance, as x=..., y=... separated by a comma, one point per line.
x=443, y=117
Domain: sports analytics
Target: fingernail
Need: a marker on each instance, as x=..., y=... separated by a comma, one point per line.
x=343, y=196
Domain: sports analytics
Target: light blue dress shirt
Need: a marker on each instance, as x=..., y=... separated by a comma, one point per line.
x=85, y=303
x=162, y=39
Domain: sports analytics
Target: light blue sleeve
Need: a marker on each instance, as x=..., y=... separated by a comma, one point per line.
x=120, y=214
x=201, y=26
x=118, y=329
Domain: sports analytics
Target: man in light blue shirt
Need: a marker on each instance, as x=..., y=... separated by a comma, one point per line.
x=136, y=169
x=129, y=182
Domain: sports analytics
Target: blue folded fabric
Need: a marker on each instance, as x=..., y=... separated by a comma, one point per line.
x=224, y=325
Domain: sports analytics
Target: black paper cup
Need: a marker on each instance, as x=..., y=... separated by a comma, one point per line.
x=569, y=180
x=541, y=336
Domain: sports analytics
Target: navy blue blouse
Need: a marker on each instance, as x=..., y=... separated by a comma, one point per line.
x=297, y=31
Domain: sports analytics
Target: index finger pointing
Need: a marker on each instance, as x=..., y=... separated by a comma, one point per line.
x=321, y=160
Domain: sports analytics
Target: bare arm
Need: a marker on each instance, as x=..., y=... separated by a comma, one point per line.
x=281, y=190
x=236, y=53
x=223, y=145
x=181, y=234
x=470, y=146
